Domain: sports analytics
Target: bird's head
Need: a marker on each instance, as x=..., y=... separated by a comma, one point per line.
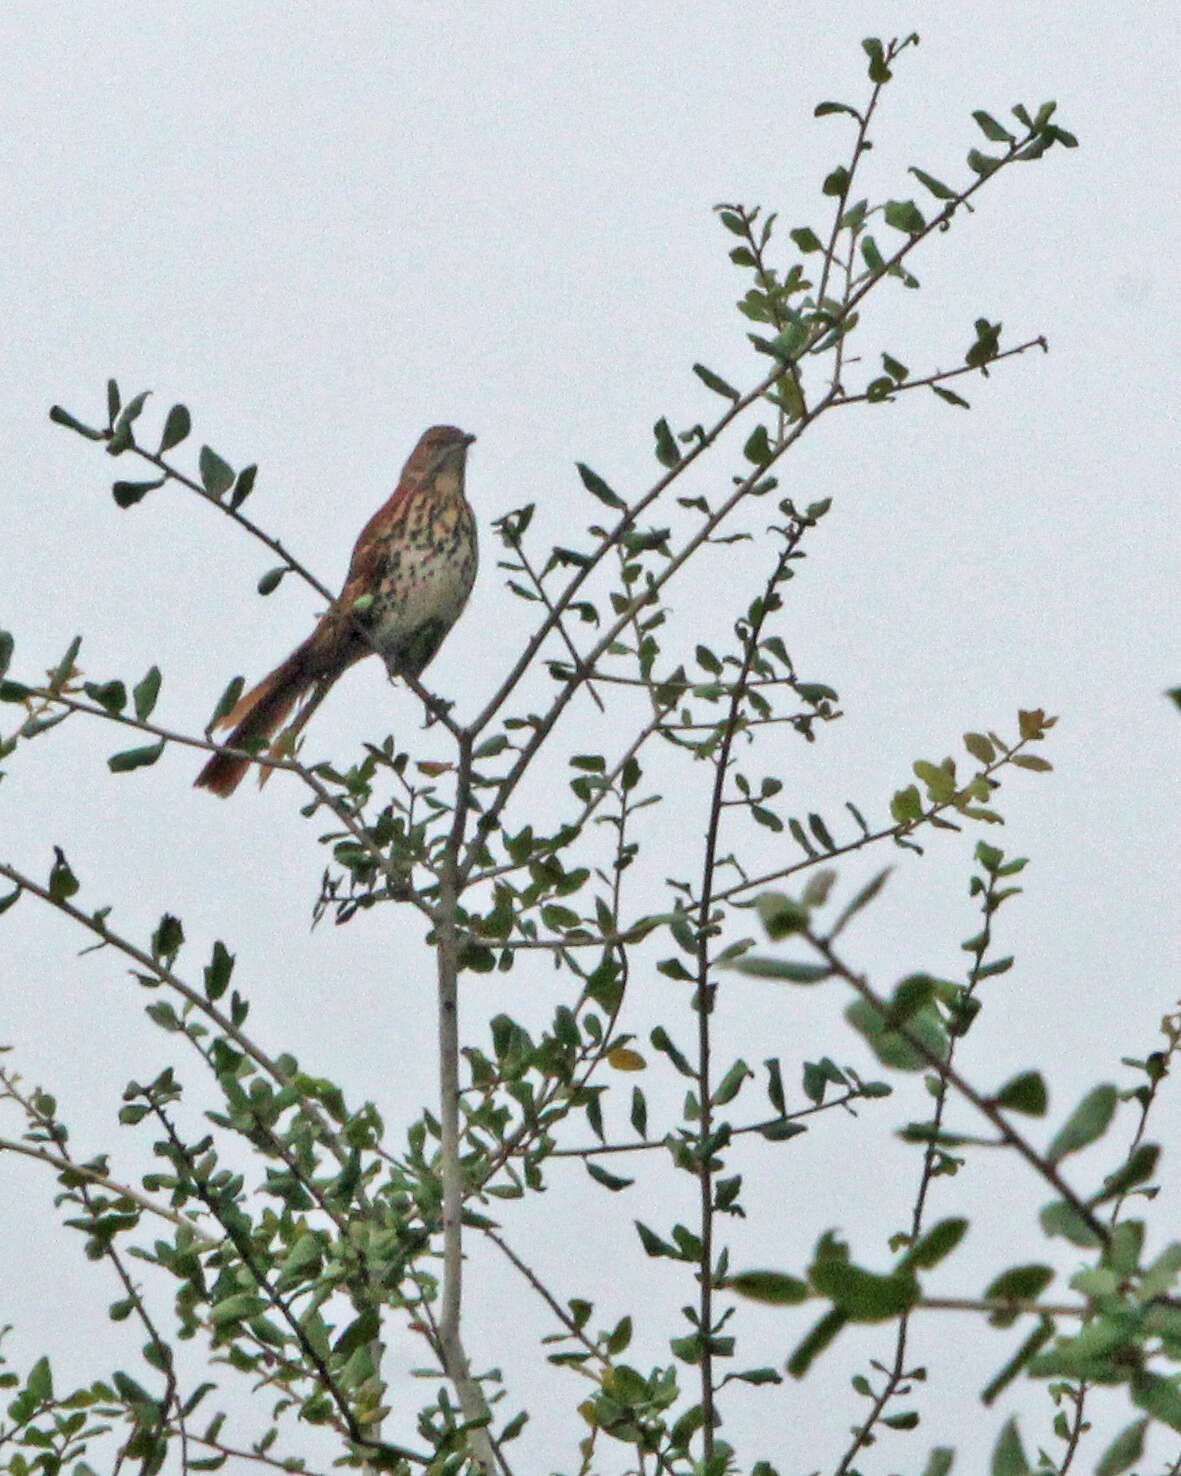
x=443, y=447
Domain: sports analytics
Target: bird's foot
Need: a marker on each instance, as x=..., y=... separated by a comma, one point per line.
x=436, y=708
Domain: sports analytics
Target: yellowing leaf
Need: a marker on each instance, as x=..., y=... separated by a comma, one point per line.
x=623, y=1058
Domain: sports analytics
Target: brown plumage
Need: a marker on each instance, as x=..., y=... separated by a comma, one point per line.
x=412, y=571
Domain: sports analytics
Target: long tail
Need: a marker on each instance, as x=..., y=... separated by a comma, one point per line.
x=260, y=713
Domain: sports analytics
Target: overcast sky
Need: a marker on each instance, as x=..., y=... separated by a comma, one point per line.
x=325, y=227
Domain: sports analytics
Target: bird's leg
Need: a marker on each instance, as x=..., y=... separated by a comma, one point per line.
x=436, y=708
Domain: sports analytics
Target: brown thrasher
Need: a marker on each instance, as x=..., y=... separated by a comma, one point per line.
x=410, y=576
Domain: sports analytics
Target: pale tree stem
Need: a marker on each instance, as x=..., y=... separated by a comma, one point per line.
x=453, y=1354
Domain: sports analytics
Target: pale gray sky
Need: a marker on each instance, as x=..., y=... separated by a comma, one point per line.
x=325, y=227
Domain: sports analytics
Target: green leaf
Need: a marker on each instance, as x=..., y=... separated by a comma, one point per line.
x=168, y=937
x=775, y=1288
x=128, y=416
x=707, y=660
x=161, y=1013
x=1061, y=1218
x=1141, y=1165
x=1124, y=1451
x=1024, y=1093
x=907, y=805
x=879, y=72
x=667, y=452
x=111, y=696
x=297, y=1265
x=243, y=486
x=217, y=476
x=609, y=1181
x=625, y=1385
x=936, y=1244
x=781, y=968
x=779, y=1132
x=7, y=901
x=127, y=494
x=986, y=346
x=1158, y=1397
x=1089, y=1121
x=639, y=1113
x=897, y=372
x=63, y=417
x=731, y=1084
x=39, y=1384
x=775, y=1085
x=992, y=130
x=1008, y=1456
x=596, y=486
x=939, y=780
x=14, y=691
x=837, y=182
x=873, y=257
x=863, y=898
x=236, y=1307
x=218, y=971
x=176, y=428
x=756, y=1376
x=621, y=1336
x=806, y=239
x=6, y=648
x=979, y=747
x=661, y=1042
x=879, y=389
x=785, y=346
x=1036, y=1340
x=145, y=692
x=715, y=382
x=900, y=1048
x=65, y=668
x=271, y=580
x=121, y=439
x=652, y=1243
x=982, y=164
x=905, y=215
x=1018, y=1284
x=135, y=758
x=862, y=1296
x=63, y=884
x=1032, y=761
x=939, y=1462
x=113, y=401
x=781, y=915
x=820, y=1336
x=824, y=109
x=758, y=446
x=936, y=187
x=865, y=1296
x=950, y=396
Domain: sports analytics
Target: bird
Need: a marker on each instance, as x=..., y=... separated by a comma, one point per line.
x=409, y=579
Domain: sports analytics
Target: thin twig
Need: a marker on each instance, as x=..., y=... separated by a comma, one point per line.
x=1009, y=1134
x=454, y=1355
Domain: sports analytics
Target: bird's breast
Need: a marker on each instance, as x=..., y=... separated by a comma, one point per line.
x=425, y=583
